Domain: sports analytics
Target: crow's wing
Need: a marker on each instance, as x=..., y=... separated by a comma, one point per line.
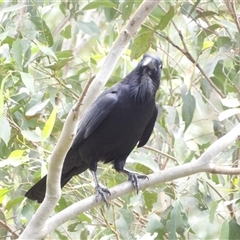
x=148, y=130
x=97, y=112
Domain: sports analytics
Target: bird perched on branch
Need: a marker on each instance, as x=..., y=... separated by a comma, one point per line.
x=122, y=117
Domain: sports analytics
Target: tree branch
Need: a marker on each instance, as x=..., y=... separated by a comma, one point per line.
x=203, y=164
x=226, y=170
x=53, y=191
x=5, y=226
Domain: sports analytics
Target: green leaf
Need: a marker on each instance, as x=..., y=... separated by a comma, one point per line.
x=66, y=32
x=204, y=33
x=61, y=236
x=59, y=64
x=16, y=154
x=28, y=29
x=47, y=51
x=206, y=87
x=224, y=233
x=189, y=157
x=180, y=149
x=36, y=109
x=49, y=124
x=2, y=97
x=5, y=129
x=174, y=222
x=17, y=52
x=155, y=226
x=166, y=19
x=144, y=159
x=73, y=227
x=12, y=8
x=212, y=66
x=28, y=81
x=188, y=109
x=229, y=25
x=84, y=218
x=64, y=54
x=98, y=4
x=206, y=14
x=3, y=192
x=15, y=159
x=170, y=117
x=89, y=27
x=30, y=135
x=234, y=230
x=194, y=7
x=84, y=234
x=126, y=9
x=224, y=41
x=111, y=14
x=141, y=44
x=213, y=208
x=188, y=9
x=3, y=230
x=215, y=179
x=150, y=199
x=169, y=73
x=44, y=34
x=124, y=222
x=13, y=202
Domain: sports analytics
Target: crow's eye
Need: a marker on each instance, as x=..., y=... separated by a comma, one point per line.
x=160, y=66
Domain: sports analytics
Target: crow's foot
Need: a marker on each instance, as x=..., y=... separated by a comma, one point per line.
x=102, y=192
x=133, y=177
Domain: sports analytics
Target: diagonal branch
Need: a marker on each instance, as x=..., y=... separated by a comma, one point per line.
x=203, y=164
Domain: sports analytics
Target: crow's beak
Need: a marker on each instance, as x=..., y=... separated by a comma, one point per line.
x=147, y=61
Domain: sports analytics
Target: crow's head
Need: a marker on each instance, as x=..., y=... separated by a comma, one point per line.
x=144, y=80
x=151, y=65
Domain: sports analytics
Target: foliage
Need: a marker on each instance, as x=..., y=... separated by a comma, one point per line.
x=47, y=52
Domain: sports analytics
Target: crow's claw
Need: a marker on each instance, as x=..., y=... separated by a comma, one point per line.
x=133, y=177
x=102, y=192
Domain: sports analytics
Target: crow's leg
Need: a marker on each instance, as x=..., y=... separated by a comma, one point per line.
x=132, y=176
x=100, y=191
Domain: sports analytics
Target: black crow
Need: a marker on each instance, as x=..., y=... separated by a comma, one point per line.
x=122, y=117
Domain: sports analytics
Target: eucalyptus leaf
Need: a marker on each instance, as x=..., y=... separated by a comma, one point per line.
x=141, y=44
x=5, y=129
x=188, y=109
x=49, y=124
x=28, y=81
x=166, y=18
x=89, y=27
x=97, y=4
x=44, y=34
x=37, y=108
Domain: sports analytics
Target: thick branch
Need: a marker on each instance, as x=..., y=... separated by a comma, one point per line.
x=53, y=191
x=202, y=164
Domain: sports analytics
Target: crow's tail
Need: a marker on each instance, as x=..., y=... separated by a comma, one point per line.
x=37, y=192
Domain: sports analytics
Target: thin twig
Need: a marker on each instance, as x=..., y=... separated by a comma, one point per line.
x=160, y=152
x=5, y=226
x=85, y=89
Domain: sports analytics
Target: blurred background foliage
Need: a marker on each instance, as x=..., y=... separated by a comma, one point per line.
x=49, y=49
